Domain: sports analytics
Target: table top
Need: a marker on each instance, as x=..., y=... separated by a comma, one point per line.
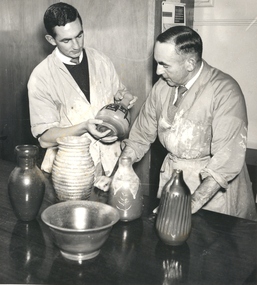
x=220, y=250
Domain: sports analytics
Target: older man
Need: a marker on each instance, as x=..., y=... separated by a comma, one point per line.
x=199, y=115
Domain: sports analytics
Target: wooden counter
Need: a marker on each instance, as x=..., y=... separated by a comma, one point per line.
x=220, y=250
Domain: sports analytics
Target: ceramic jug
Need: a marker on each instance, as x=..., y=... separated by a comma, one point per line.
x=73, y=172
x=116, y=117
x=125, y=191
x=173, y=221
x=26, y=185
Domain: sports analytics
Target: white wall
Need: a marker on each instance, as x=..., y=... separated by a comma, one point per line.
x=229, y=32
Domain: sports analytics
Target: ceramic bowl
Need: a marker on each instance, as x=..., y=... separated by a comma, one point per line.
x=80, y=228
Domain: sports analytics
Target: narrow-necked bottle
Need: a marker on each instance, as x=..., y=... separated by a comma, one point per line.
x=26, y=186
x=125, y=191
x=173, y=222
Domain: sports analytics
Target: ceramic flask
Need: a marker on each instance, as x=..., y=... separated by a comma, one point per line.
x=116, y=117
x=26, y=185
x=125, y=191
x=173, y=221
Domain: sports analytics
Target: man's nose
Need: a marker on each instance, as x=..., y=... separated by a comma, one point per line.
x=75, y=44
x=159, y=69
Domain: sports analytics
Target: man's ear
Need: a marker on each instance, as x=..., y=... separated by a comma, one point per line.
x=190, y=64
x=51, y=40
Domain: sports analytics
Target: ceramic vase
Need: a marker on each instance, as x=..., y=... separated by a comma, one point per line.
x=73, y=172
x=173, y=221
x=116, y=117
x=125, y=191
x=26, y=185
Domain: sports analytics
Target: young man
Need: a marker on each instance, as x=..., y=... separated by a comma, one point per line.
x=69, y=87
x=204, y=129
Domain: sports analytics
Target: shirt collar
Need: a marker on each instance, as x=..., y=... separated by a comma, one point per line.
x=192, y=80
x=65, y=59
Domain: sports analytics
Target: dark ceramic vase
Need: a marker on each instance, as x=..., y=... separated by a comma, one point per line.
x=125, y=191
x=173, y=221
x=26, y=185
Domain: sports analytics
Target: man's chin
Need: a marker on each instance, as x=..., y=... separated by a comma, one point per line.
x=75, y=55
x=170, y=82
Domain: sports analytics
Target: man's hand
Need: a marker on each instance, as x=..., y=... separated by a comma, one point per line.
x=132, y=102
x=103, y=183
x=103, y=136
x=204, y=193
x=128, y=97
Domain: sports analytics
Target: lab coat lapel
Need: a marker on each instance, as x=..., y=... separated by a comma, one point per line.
x=194, y=92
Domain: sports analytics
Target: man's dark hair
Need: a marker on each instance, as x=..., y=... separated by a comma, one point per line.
x=59, y=14
x=186, y=40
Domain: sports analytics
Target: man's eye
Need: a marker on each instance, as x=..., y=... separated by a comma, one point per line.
x=79, y=36
x=66, y=41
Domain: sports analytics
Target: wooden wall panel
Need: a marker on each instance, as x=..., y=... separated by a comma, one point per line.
x=124, y=31
x=22, y=47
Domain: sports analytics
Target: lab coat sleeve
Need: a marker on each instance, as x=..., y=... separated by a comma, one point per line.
x=43, y=111
x=144, y=130
x=229, y=127
x=119, y=89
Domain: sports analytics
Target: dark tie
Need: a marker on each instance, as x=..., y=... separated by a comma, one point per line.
x=75, y=60
x=181, y=91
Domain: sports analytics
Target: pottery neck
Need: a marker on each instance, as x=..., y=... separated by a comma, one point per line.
x=125, y=166
x=26, y=156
